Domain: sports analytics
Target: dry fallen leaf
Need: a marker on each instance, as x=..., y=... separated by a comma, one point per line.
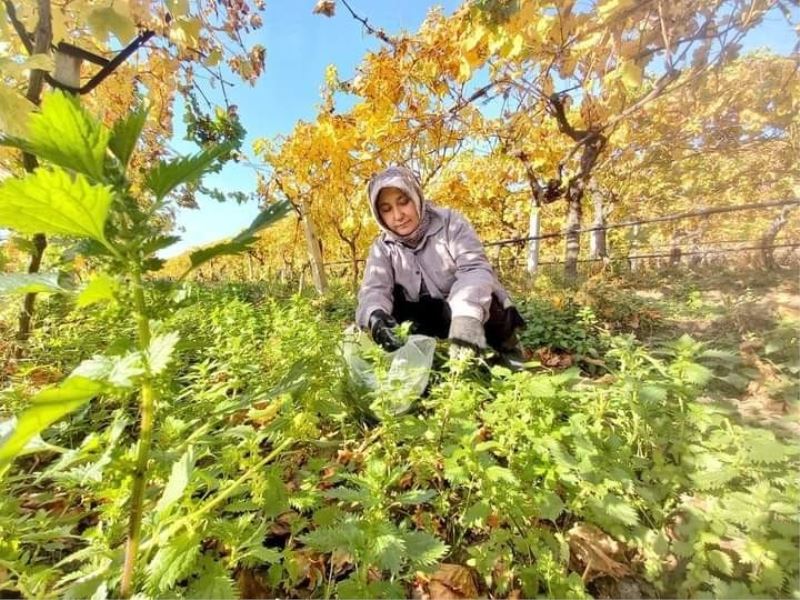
x=452, y=582
x=251, y=585
x=596, y=553
x=554, y=358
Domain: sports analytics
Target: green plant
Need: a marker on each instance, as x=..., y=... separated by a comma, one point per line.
x=86, y=193
x=573, y=328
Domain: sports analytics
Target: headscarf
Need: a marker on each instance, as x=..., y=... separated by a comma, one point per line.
x=404, y=180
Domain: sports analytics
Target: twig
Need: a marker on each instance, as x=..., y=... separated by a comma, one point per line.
x=24, y=36
x=378, y=33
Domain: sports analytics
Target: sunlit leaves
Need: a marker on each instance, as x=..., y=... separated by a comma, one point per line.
x=66, y=135
x=25, y=283
x=53, y=202
x=100, y=288
x=177, y=482
x=108, y=20
x=14, y=112
x=244, y=238
x=173, y=561
x=160, y=351
x=125, y=135
x=169, y=174
x=47, y=407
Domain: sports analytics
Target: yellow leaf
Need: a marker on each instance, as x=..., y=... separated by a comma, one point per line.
x=608, y=8
x=185, y=32
x=514, y=49
x=497, y=41
x=12, y=68
x=14, y=111
x=464, y=69
x=107, y=20
x=39, y=61
x=178, y=8
x=631, y=75
x=474, y=38
x=213, y=58
x=331, y=76
x=589, y=42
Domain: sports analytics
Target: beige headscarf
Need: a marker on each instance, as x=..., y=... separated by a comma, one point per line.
x=403, y=179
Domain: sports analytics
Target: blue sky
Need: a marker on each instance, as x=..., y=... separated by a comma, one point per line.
x=299, y=46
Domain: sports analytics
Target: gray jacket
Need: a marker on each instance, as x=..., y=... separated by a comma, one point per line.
x=451, y=260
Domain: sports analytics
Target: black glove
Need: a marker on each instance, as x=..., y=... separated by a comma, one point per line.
x=380, y=328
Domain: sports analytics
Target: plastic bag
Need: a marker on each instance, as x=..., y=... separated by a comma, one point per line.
x=397, y=383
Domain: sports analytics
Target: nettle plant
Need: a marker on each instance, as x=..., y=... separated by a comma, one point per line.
x=87, y=191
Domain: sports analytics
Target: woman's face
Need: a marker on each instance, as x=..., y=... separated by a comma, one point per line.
x=397, y=211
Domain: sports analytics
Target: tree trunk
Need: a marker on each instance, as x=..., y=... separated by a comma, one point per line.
x=572, y=240
x=249, y=258
x=314, y=250
x=534, y=243
x=597, y=243
x=768, y=239
x=41, y=45
x=354, y=261
x=675, y=251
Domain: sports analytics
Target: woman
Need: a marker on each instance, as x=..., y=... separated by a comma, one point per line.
x=429, y=267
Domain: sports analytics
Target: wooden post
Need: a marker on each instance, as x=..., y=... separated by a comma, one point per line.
x=534, y=229
x=634, y=263
x=314, y=249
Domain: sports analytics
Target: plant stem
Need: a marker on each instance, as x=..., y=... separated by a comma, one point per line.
x=223, y=495
x=147, y=408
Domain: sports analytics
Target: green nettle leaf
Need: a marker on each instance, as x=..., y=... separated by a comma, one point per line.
x=389, y=549
x=126, y=134
x=47, y=407
x=697, y=374
x=24, y=283
x=101, y=288
x=116, y=371
x=160, y=351
x=423, y=549
x=174, y=561
x=353, y=587
x=497, y=474
x=213, y=584
x=66, y=135
x=477, y=514
x=53, y=202
x=416, y=497
x=178, y=480
x=267, y=217
x=346, y=536
x=264, y=555
x=653, y=393
x=346, y=494
x=549, y=506
x=720, y=561
x=618, y=509
x=766, y=449
x=170, y=174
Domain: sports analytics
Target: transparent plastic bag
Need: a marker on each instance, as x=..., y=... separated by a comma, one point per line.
x=396, y=384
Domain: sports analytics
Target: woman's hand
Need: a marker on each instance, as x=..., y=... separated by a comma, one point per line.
x=380, y=328
x=467, y=331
